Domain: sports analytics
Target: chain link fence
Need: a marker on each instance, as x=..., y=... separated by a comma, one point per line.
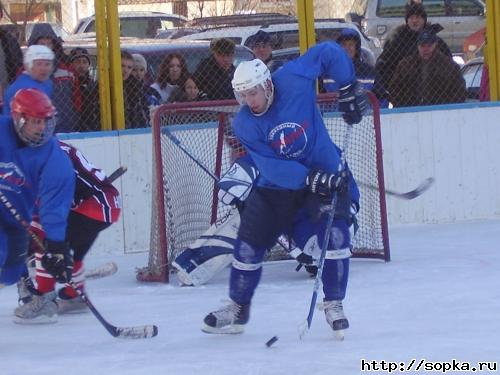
x=180, y=51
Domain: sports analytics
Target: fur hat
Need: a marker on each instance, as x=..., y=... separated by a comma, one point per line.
x=415, y=9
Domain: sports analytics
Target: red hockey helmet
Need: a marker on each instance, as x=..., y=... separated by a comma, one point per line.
x=29, y=106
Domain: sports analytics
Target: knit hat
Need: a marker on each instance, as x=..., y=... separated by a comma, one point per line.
x=260, y=37
x=427, y=37
x=140, y=60
x=78, y=52
x=415, y=9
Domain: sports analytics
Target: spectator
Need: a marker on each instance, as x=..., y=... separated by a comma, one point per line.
x=214, y=74
x=367, y=75
x=63, y=77
x=135, y=106
x=86, y=92
x=139, y=72
x=38, y=68
x=484, y=85
x=260, y=44
x=427, y=77
x=11, y=59
x=403, y=42
x=171, y=74
x=189, y=92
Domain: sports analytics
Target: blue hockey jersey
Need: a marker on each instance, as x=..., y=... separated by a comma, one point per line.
x=25, y=81
x=290, y=139
x=30, y=173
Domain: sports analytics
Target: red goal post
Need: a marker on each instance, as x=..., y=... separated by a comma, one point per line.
x=184, y=196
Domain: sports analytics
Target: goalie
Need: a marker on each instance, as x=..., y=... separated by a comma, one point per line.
x=213, y=251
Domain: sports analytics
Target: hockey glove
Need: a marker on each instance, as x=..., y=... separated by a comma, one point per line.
x=57, y=260
x=325, y=184
x=352, y=102
x=235, y=185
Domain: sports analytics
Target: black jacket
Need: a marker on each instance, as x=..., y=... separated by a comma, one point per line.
x=214, y=80
x=13, y=55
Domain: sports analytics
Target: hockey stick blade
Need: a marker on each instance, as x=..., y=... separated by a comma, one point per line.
x=138, y=332
x=409, y=195
x=117, y=173
x=104, y=270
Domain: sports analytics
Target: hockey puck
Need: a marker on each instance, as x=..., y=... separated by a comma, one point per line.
x=271, y=341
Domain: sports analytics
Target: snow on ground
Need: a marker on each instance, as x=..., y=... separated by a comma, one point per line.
x=438, y=299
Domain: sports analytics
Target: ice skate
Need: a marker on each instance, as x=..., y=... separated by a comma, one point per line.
x=25, y=290
x=336, y=318
x=70, y=305
x=229, y=319
x=42, y=309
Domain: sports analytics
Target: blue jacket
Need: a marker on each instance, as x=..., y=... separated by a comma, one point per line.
x=290, y=139
x=25, y=81
x=31, y=173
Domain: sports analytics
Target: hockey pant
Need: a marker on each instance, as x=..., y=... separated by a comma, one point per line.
x=13, y=252
x=81, y=233
x=269, y=213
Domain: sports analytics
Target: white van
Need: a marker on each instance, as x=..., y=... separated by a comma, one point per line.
x=286, y=35
x=459, y=18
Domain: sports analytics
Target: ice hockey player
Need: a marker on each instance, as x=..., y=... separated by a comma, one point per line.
x=299, y=167
x=33, y=167
x=213, y=250
x=96, y=205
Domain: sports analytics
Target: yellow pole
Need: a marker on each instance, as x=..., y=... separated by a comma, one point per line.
x=307, y=35
x=493, y=50
x=115, y=73
x=102, y=65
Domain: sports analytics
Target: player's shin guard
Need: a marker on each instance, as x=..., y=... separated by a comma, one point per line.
x=45, y=281
x=246, y=271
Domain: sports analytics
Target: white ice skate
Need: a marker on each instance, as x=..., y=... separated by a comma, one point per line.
x=336, y=318
x=41, y=309
x=70, y=305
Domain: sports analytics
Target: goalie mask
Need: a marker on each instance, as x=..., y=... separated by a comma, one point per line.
x=253, y=86
x=33, y=116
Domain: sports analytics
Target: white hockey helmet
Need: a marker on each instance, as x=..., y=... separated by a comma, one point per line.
x=250, y=74
x=37, y=52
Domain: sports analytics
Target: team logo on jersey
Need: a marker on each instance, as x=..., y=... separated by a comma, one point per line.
x=288, y=139
x=11, y=177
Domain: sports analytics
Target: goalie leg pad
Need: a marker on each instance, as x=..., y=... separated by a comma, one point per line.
x=245, y=272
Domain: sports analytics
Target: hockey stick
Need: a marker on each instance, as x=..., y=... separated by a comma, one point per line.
x=138, y=332
x=117, y=173
x=412, y=194
x=104, y=270
x=304, y=327
x=179, y=144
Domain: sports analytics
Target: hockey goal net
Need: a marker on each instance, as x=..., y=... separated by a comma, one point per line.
x=184, y=193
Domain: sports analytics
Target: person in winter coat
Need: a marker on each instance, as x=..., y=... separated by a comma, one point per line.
x=427, y=77
x=403, y=42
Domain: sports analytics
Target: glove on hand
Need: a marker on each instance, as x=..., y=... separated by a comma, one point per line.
x=57, y=260
x=325, y=184
x=352, y=103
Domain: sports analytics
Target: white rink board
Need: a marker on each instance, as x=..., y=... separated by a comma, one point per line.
x=459, y=147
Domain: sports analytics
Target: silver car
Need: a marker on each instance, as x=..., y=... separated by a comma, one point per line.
x=459, y=18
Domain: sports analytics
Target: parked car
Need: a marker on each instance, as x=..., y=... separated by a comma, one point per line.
x=154, y=51
x=136, y=24
x=285, y=35
x=233, y=20
x=472, y=72
x=17, y=30
x=459, y=18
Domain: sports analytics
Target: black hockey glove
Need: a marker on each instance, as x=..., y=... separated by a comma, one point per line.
x=325, y=184
x=57, y=260
x=352, y=102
